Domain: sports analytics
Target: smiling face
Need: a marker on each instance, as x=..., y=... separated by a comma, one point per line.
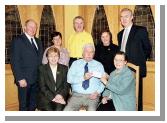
x=126, y=18
x=53, y=58
x=78, y=25
x=30, y=28
x=119, y=61
x=53, y=55
x=88, y=53
x=105, y=38
x=57, y=41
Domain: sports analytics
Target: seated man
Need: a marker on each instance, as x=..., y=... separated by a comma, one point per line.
x=83, y=76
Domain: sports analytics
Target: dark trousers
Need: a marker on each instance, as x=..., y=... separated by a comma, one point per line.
x=52, y=106
x=140, y=98
x=27, y=97
x=109, y=106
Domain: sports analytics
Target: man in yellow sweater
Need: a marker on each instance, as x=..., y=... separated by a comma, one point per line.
x=78, y=39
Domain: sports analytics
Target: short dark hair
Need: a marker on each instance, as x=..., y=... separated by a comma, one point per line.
x=53, y=49
x=122, y=53
x=54, y=34
x=107, y=31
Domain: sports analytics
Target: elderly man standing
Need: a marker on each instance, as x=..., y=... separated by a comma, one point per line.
x=78, y=39
x=26, y=56
x=134, y=41
x=84, y=77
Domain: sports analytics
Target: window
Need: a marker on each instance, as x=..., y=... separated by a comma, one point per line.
x=12, y=28
x=100, y=24
x=143, y=17
x=47, y=26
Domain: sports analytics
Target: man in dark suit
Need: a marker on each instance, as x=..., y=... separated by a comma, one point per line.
x=53, y=85
x=26, y=56
x=134, y=41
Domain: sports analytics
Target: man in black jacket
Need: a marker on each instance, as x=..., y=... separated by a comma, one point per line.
x=134, y=41
x=26, y=56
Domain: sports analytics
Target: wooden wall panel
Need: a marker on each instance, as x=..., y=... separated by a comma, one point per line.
x=149, y=88
x=58, y=13
x=30, y=11
x=69, y=13
x=112, y=13
x=11, y=98
x=88, y=13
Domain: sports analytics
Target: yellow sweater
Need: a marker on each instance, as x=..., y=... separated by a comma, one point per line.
x=76, y=43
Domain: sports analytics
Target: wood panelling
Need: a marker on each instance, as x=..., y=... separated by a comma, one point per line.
x=58, y=13
x=112, y=13
x=69, y=13
x=88, y=13
x=11, y=98
x=149, y=88
x=33, y=12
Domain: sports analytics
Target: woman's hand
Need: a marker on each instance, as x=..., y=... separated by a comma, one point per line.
x=104, y=78
x=104, y=100
x=59, y=99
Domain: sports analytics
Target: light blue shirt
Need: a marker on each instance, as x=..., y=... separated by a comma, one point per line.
x=76, y=76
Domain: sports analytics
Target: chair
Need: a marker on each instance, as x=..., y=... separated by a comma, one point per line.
x=135, y=69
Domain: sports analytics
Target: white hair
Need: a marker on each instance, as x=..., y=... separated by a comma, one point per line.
x=89, y=45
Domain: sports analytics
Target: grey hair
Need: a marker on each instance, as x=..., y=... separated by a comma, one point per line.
x=89, y=45
x=30, y=20
x=127, y=9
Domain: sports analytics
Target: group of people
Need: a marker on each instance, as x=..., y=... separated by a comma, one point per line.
x=83, y=74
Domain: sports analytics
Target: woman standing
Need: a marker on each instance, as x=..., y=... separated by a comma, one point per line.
x=105, y=52
x=57, y=42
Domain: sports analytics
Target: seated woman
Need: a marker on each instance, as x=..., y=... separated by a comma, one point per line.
x=57, y=42
x=53, y=86
x=120, y=88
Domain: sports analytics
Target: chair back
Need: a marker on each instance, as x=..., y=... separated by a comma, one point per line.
x=135, y=69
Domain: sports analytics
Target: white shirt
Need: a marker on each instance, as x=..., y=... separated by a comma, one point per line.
x=30, y=39
x=125, y=37
x=54, y=71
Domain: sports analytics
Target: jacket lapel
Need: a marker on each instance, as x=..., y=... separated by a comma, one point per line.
x=58, y=75
x=50, y=76
x=27, y=42
x=131, y=34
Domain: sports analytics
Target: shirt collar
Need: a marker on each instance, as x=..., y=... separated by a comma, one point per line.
x=129, y=27
x=29, y=37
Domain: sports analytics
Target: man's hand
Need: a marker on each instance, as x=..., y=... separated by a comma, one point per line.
x=87, y=75
x=94, y=95
x=22, y=83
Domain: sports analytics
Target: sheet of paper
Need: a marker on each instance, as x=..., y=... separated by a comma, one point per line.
x=96, y=74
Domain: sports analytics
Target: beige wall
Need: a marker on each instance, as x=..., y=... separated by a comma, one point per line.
x=63, y=19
